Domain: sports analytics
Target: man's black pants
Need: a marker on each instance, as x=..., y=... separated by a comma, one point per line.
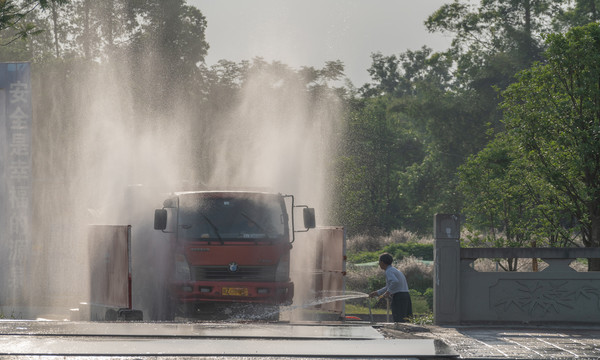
x=401, y=306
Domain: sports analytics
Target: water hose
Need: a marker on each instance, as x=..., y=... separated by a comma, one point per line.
x=387, y=315
x=370, y=313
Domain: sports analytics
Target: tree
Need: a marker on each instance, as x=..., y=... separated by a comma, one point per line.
x=165, y=52
x=512, y=206
x=13, y=16
x=493, y=41
x=581, y=13
x=377, y=148
x=97, y=28
x=553, y=113
x=408, y=73
x=455, y=102
x=446, y=121
x=496, y=26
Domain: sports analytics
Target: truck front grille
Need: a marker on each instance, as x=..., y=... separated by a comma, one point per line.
x=244, y=273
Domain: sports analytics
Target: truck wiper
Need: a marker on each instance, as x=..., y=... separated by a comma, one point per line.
x=214, y=227
x=255, y=223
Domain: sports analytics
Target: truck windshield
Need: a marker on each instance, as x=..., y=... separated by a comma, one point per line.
x=231, y=217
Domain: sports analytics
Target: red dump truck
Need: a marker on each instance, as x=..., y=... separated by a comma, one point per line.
x=230, y=251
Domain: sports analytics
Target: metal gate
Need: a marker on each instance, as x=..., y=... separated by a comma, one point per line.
x=109, y=251
x=330, y=267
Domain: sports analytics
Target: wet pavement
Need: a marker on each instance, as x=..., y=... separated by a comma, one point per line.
x=509, y=342
x=359, y=340
x=152, y=340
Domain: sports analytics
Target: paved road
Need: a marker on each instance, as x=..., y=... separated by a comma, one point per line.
x=523, y=342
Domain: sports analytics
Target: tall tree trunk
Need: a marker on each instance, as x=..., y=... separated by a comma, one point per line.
x=527, y=25
x=109, y=20
x=87, y=35
x=529, y=48
x=534, y=261
x=55, y=29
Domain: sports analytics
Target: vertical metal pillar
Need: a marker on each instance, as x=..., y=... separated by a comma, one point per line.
x=446, y=276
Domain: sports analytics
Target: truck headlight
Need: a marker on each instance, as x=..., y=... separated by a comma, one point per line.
x=182, y=268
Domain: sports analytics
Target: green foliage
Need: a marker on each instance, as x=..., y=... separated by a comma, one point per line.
x=417, y=277
x=376, y=282
x=397, y=250
x=363, y=257
x=422, y=307
x=423, y=319
x=402, y=250
x=581, y=13
x=513, y=206
x=496, y=26
x=419, y=303
x=424, y=136
x=14, y=17
x=552, y=115
x=428, y=295
x=363, y=309
x=376, y=148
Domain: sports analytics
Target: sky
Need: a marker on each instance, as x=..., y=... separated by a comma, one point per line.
x=311, y=32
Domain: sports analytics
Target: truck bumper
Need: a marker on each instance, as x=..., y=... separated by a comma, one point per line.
x=278, y=293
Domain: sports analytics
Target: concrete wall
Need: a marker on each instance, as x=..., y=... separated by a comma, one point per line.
x=556, y=294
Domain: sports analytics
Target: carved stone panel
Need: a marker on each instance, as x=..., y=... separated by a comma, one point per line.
x=523, y=300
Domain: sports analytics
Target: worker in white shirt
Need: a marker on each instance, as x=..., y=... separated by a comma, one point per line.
x=396, y=287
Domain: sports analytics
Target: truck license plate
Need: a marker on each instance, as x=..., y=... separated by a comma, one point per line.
x=235, y=291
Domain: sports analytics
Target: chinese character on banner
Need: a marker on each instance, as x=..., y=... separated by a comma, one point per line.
x=15, y=180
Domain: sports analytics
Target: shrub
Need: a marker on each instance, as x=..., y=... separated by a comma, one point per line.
x=419, y=275
x=423, y=319
x=362, y=257
x=428, y=295
x=419, y=303
x=398, y=251
x=405, y=236
x=372, y=243
x=376, y=282
x=361, y=243
x=414, y=293
x=357, y=277
x=402, y=250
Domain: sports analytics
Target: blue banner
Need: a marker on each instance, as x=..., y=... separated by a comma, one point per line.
x=15, y=182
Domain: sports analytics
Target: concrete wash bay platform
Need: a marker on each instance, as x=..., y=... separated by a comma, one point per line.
x=68, y=340
x=23, y=339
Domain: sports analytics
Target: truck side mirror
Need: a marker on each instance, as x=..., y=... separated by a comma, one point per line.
x=309, y=217
x=160, y=219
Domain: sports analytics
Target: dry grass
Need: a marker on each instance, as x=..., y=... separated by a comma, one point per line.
x=360, y=243
x=418, y=274
x=357, y=277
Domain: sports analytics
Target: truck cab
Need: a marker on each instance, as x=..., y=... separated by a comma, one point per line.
x=230, y=251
